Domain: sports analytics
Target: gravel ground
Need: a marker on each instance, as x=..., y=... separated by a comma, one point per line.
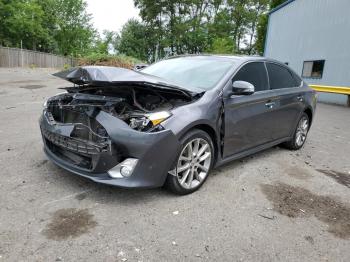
x=276, y=205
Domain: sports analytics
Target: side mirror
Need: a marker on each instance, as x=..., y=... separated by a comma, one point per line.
x=242, y=88
x=139, y=67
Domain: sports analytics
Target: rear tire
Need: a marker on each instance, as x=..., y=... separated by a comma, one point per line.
x=300, y=133
x=193, y=163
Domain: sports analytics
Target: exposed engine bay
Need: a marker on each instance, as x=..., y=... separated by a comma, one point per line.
x=142, y=108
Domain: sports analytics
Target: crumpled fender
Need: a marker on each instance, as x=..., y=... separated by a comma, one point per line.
x=156, y=152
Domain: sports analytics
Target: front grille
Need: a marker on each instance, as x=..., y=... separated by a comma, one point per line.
x=86, y=127
x=75, y=145
x=69, y=156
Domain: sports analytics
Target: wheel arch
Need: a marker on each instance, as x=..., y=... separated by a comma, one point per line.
x=308, y=111
x=211, y=132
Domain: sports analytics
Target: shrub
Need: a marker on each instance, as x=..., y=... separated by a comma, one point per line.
x=109, y=60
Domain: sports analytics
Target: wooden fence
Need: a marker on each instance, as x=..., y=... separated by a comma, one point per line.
x=16, y=57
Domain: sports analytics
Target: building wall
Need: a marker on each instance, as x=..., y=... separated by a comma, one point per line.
x=313, y=30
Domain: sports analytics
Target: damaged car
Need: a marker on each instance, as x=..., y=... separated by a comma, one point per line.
x=174, y=121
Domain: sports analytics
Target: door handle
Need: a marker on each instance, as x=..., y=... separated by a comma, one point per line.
x=300, y=98
x=270, y=104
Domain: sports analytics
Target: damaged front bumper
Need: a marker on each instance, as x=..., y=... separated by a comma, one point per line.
x=155, y=152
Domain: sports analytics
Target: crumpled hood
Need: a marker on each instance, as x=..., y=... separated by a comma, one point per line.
x=113, y=76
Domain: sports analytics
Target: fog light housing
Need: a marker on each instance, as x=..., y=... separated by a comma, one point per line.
x=123, y=169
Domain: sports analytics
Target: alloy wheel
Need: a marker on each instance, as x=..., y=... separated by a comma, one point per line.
x=302, y=129
x=193, y=163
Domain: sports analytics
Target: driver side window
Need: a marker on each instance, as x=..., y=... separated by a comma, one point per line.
x=254, y=73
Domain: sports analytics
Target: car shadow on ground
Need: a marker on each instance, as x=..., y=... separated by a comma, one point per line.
x=84, y=189
x=248, y=159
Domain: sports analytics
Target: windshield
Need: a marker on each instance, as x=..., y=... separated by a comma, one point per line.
x=192, y=72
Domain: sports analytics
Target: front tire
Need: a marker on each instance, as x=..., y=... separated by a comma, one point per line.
x=193, y=164
x=300, y=134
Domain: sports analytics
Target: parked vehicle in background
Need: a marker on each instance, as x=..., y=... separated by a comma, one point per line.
x=175, y=120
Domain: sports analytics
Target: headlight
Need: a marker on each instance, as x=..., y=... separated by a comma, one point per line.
x=45, y=104
x=147, y=121
x=158, y=117
x=51, y=98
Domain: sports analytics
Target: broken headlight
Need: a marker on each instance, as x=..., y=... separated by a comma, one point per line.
x=45, y=104
x=148, y=121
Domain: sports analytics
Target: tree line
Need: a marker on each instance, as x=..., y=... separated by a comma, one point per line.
x=166, y=27
x=196, y=26
x=58, y=26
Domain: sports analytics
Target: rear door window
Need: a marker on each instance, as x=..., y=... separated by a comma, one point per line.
x=254, y=73
x=280, y=77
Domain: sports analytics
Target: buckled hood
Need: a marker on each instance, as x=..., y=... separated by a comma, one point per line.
x=113, y=77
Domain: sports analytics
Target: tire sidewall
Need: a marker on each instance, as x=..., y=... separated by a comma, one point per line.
x=172, y=180
x=295, y=145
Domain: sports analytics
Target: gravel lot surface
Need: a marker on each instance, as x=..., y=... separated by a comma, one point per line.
x=276, y=205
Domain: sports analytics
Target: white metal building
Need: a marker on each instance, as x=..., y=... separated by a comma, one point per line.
x=313, y=37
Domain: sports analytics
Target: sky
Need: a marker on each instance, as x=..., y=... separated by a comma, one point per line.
x=111, y=14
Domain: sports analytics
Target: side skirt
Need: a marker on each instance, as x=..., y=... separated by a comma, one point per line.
x=250, y=151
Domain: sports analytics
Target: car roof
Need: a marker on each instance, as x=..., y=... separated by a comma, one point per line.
x=240, y=59
x=237, y=58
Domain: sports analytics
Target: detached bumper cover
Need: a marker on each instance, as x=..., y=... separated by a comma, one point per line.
x=156, y=152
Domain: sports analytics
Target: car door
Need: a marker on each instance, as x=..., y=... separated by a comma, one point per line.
x=288, y=99
x=248, y=118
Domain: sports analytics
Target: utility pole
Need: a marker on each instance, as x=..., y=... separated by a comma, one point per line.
x=21, y=53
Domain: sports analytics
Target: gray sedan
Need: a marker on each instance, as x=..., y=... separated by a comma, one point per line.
x=173, y=121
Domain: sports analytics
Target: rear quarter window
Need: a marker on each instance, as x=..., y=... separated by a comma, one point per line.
x=297, y=78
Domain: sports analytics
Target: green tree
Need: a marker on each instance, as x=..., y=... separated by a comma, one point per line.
x=194, y=26
x=134, y=40
x=222, y=46
x=59, y=26
x=23, y=21
x=167, y=27
x=74, y=34
x=257, y=8
x=152, y=15
x=178, y=25
x=261, y=31
x=107, y=43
